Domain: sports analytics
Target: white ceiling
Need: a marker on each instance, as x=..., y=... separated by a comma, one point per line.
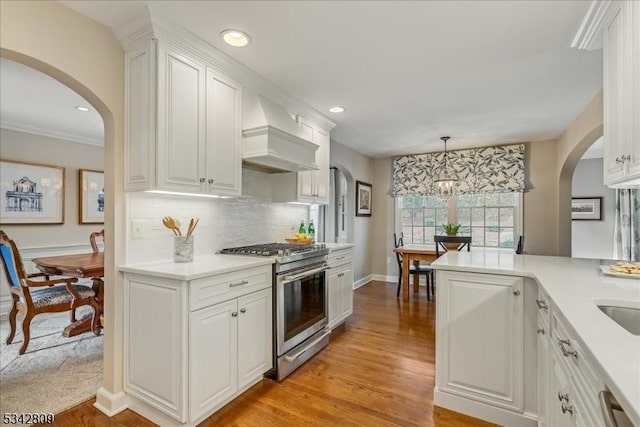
x=408, y=72
x=31, y=101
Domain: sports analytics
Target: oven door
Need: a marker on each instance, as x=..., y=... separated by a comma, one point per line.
x=301, y=306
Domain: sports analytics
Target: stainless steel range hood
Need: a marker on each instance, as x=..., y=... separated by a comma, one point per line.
x=272, y=140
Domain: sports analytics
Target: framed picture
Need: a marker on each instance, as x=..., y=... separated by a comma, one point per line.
x=31, y=193
x=91, y=196
x=586, y=208
x=363, y=198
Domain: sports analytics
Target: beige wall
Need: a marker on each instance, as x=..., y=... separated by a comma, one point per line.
x=383, y=259
x=72, y=156
x=540, y=200
x=357, y=167
x=85, y=56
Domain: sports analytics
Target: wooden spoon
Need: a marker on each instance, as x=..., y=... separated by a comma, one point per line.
x=168, y=222
x=176, y=224
x=192, y=226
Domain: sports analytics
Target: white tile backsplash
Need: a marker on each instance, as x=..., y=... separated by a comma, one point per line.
x=247, y=220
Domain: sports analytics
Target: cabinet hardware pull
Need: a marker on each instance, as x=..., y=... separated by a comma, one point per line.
x=243, y=310
x=565, y=346
x=619, y=160
x=540, y=331
x=567, y=408
x=201, y=179
x=626, y=158
x=340, y=257
x=542, y=305
x=341, y=274
x=240, y=283
x=563, y=397
x=210, y=181
x=516, y=292
x=234, y=314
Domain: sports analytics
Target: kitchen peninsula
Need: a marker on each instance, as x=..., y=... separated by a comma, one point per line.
x=521, y=339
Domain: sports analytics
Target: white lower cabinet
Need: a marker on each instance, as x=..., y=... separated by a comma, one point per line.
x=480, y=351
x=544, y=362
x=191, y=347
x=340, y=283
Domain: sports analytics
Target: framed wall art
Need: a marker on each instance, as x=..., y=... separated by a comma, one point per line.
x=363, y=198
x=91, y=196
x=586, y=208
x=31, y=193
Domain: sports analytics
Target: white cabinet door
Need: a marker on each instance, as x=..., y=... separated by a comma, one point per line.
x=212, y=361
x=140, y=105
x=335, y=296
x=254, y=336
x=181, y=122
x=480, y=320
x=634, y=108
x=544, y=360
x=223, y=136
x=321, y=138
x=347, y=292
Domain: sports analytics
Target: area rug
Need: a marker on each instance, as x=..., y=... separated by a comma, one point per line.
x=55, y=373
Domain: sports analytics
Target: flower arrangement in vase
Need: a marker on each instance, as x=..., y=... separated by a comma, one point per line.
x=452, y=230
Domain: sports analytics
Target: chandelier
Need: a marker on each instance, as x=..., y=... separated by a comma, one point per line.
x=445, y=181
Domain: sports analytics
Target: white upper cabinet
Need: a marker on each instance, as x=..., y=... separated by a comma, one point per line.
x=183, y=131
x=309, y=186
x=615, y=26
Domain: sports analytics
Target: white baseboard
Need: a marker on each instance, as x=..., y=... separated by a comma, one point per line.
x=27, y=255
x=363, y=281
x=110, y=404
x=482, y=411
x=383, y=278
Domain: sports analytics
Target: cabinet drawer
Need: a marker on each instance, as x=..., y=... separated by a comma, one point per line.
x=340, y=256
x=215, y=289
x=577, y=360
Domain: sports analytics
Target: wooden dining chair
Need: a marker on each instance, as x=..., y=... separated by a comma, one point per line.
x=414, y=269
x=460, y=242
x=93, y=240
x=98, y=282
x=32, y=297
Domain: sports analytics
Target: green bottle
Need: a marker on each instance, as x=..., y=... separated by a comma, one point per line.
x=312, y=229
x=301, y=229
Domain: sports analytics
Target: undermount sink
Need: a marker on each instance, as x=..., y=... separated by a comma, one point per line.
x=627, y=317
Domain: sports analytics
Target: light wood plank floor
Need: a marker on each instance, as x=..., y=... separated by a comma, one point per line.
x=378, y=370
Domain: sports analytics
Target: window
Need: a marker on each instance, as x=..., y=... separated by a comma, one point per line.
x=492, y=220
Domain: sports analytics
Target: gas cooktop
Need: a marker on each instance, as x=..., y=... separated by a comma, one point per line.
x=271, y=249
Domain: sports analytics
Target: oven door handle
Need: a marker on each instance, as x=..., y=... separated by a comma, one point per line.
x=288, y=279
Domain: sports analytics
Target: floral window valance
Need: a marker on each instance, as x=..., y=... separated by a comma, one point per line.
x=479, y=170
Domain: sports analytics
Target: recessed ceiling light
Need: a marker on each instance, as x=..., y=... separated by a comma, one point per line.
x=336, y=109
x=81, y=108
x=235, y=38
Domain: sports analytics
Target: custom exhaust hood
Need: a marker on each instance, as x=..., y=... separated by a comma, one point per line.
x=272, y=141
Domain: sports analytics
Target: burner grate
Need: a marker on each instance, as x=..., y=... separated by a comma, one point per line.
x=269, y=249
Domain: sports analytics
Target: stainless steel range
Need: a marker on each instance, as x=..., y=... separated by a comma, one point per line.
x=300, y=301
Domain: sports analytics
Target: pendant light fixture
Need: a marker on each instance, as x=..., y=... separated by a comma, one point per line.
x=445, y=180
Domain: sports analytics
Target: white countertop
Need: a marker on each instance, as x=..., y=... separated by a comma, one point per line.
x=575, y=285
x=202, y=266
x=337, y=246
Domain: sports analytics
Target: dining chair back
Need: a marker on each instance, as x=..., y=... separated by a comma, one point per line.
x=93, y=237
x=414, y=269
x=32, y=297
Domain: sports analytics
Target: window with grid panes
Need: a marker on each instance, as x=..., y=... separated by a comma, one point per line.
x=421, y=216
x=490, y=219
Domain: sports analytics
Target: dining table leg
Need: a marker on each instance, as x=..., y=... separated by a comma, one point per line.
x=405, y=276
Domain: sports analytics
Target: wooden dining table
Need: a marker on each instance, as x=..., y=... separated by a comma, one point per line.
x=411, y=254
x=84, y=265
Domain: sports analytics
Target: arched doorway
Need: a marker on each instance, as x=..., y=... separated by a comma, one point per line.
x=85, y=56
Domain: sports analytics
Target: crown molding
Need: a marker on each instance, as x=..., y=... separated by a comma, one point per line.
x=589, y=33
x=50, y=133
x=148, y=25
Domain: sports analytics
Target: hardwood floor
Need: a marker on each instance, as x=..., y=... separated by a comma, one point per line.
x=378, y=370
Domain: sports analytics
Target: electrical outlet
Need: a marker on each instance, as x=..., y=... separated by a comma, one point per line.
x=388, y=260
x=137, y=229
